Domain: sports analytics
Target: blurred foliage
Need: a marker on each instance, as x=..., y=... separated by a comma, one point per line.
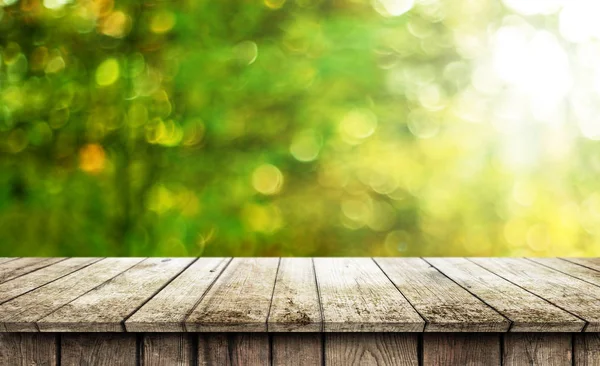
x=298, y=127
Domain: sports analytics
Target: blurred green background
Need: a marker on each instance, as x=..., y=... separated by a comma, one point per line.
x=299, y=127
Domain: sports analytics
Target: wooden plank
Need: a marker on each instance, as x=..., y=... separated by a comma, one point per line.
x=468, y=349
x=445, y=306
x=20, y=285
x=571, y=269
x=297, y=349
x=371, y=349
x=233, y=349
x=26, y=349
x=167, y=310
x=239, y=300
x=524, y=349
x=21, y=266
x=571, y=294
x=593, y=263
x=168, y=349
x=20, y=314
x=356, y=296
x=97, y=349
x=7, y=259
x=295, y=305
x=104, y=309
x=587, y=349
x=528, y=312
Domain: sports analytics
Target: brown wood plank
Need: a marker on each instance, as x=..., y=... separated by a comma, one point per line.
x=297, y=349
x=168, y=349
x=104, y=309
x=167, y=310
x=468, y=349
x=528, y=312
x=571, y=294
x=21, y=314
x=371, y=349
x=445, y=306
x=233, y=349
x=20, y=285
x=239, y=300
x=571, y=269
x=26, y=349
x=524, y=349
x=356, y=296
x=18, y=267
x=295, y=305
x=97, y=349
x=587, y=349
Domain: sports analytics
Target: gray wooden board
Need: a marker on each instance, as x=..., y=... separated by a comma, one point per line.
x=233, y=349
x=587, y=349
x=356, y=296
x=464, y=349
x=524, y=349
x=98, y=349
x=371, y=349
x=295, y=305
x=239, y=300
x=529, y=313
x=571, y=294
x=571, y=269
x=7, y=259
x=105, y=308
x=18, y=267
x=167, y=310
x=168, y=349
x=445, y=306
x=20, y=285
x=593, y=263
x=21, y=313
x=297, y=349
x=27, y=349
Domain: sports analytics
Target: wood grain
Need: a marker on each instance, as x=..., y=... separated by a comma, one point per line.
x=26, y=349
x=21, y=314
x=473, y=349
x=587, y=349
x=445, y=306
x=295, y=305
x=105, y=308
x=233, y=349
x=371, y=349
x=524, y=349
x=97, y=349
x=18, y=267
x=167, y=310
x=7, y=259
x=239, y=300
x=297, y=349
x=356, y=296
x=571, y=269
x=593, y=263
x=20, y=285
x=571, y=294
x=528, y=312
x=168, y=349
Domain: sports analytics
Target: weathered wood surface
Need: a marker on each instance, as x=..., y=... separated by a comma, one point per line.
x=445, y=306
x=98, y=349
x=26, y=349
x=569, y=293
x=22, y=313
x=168, y=349
x=297, y=349
x=167, y=311
x=299, y=295
x=356, y=296
x=586, y=349
x=233, y=349
x=524, y=349
x=239, y=300
x=372, y=349
x=468, y=349
x=295, y=305
x=527, y=312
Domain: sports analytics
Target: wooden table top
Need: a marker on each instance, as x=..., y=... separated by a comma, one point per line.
x=299, y=294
